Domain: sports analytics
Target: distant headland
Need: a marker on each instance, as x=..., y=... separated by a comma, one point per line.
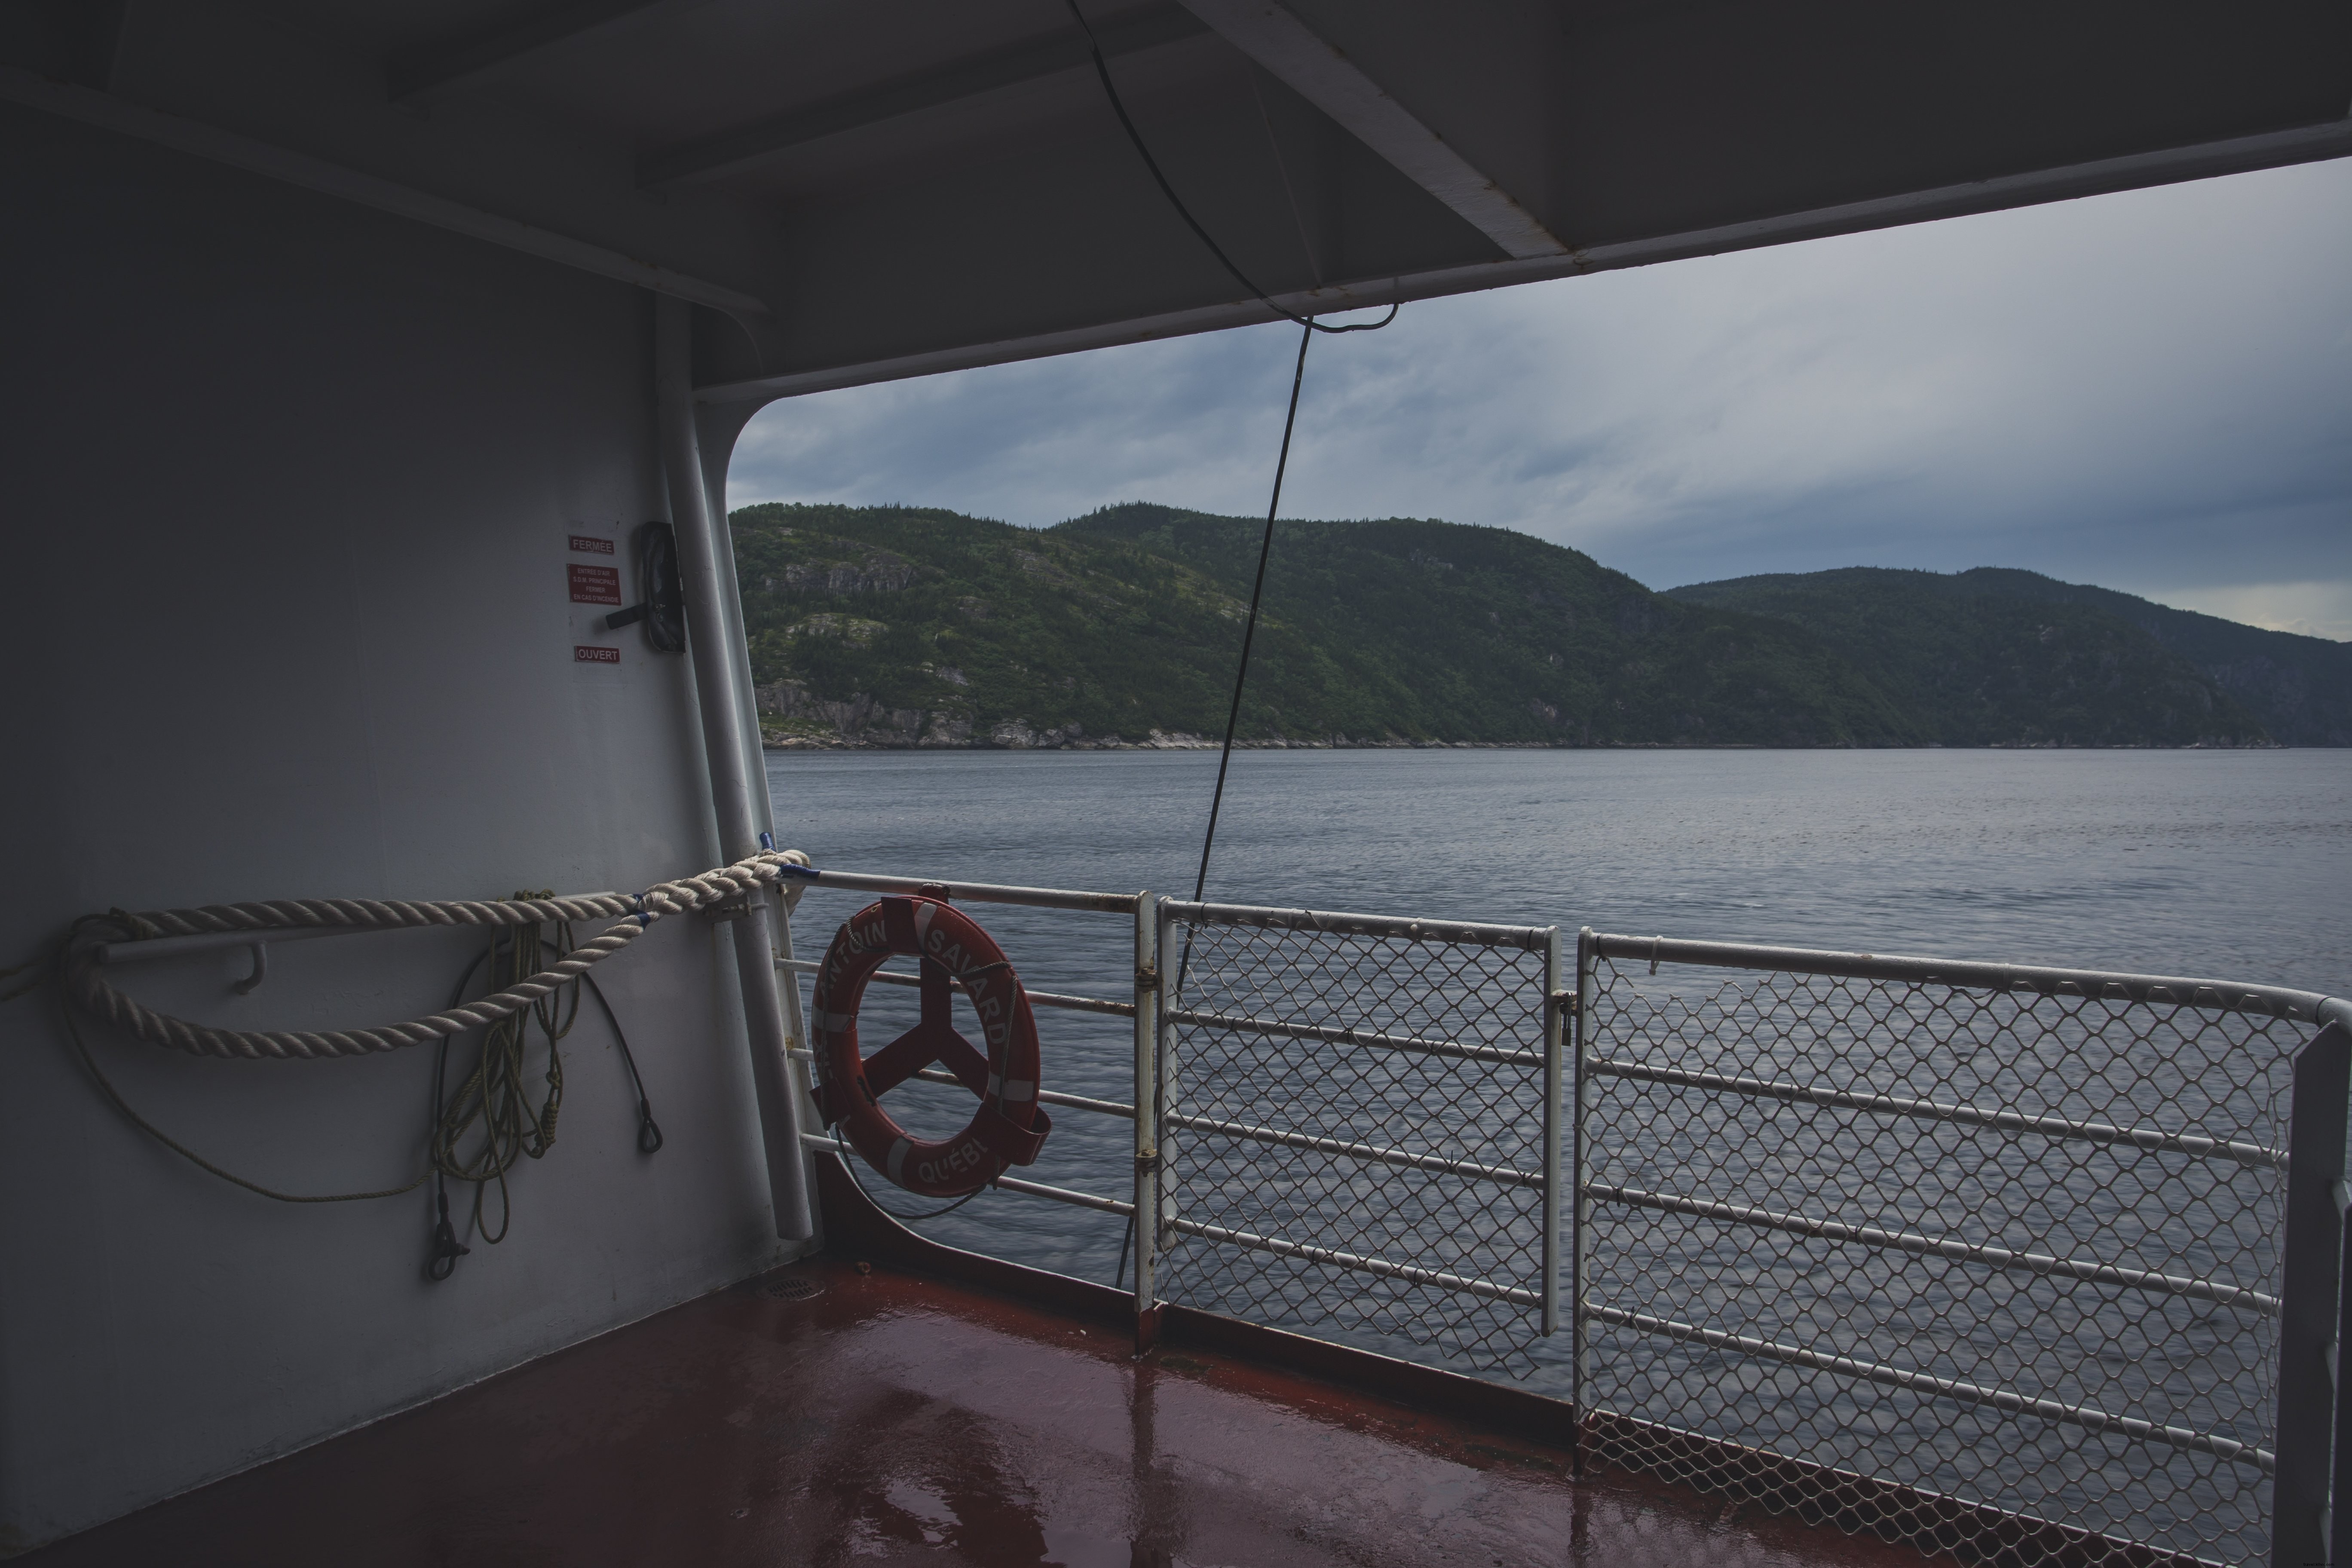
x=901, y=627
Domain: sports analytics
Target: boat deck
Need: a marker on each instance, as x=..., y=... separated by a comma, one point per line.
x=894, y=1417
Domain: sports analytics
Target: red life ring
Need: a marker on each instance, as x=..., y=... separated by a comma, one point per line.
x=1009, y=1127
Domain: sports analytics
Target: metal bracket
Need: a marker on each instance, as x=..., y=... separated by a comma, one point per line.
x=244, y=987
x=1147, y=977
x=733, y=910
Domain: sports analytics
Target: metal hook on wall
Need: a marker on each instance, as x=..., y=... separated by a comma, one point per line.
x=244, y=987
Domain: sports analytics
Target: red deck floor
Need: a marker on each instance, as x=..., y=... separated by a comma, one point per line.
x=899, y=1419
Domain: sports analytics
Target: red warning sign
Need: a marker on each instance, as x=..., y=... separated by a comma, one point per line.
x=588, y=544
x=583, y=654
x=594, y=585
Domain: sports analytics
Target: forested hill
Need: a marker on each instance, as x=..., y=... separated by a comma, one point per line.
x=904, y=625
x=888, y=626
x=1995, y=655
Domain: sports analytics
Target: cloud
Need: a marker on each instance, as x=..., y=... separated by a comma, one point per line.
x=2152, y=391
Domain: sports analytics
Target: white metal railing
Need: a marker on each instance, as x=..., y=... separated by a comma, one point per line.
x=2055, y=1200
x=1363, y=1125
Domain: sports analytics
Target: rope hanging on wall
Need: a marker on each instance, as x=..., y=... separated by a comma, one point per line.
x=631, y=914
x=494, y=1096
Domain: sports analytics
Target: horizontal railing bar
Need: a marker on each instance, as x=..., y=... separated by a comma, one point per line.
x=1069, y=1003
x=1531, y=937
x=1063, y=1195
x=1369, y=1152
x=1047, y=1096
x=1381, y=1265
x=2007, y=1399
x=1037, y=998
x=1943, y=1246
x=1050, y=1096
x=2147, y=1138
x=2227, y=995
x=973, y=893
x=1354, y=1038
x=1010, y=1184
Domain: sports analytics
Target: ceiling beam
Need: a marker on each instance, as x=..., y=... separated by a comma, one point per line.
x=1333, y=83
x=741, y=147
x=199, y=139
x=2275, y=148
x=461, y=62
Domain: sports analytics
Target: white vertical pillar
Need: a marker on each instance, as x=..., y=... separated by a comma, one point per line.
x=1147, y=985
x=711, y=609
x=1555, y=1016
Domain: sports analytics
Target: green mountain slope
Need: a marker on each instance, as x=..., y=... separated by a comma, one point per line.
x=1984, y=658
x=898, y=626
x=2299, y=688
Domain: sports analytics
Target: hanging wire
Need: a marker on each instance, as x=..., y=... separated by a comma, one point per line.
x=494, y=1095
x=116, y=920
x=1249, y=631
x=886, y=1208
x=1111, y=90
x=1233, y=713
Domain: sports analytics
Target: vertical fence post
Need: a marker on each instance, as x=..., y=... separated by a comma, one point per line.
x=1580, y=1211
x=1163, y=1081
x=2313, y=1270
x=1556, y=1005
x=2339, y=1512
x=1148, y=989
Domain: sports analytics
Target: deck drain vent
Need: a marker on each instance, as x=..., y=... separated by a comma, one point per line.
x=791, y=1289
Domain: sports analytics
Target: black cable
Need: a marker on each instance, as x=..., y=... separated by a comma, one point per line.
x=1233, y=714
x=1309, y=327
x=649, y=1135
x=1249, y=629
x=886, y=1208
x=447, y=1247
x=1110, y=89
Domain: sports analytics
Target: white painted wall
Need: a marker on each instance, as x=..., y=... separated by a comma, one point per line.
x=285, y=487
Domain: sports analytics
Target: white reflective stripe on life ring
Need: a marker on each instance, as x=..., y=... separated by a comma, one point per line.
x=898, y=1160
x=1017, y=1090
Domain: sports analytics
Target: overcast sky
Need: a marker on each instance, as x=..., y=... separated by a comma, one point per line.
x=2152, y=391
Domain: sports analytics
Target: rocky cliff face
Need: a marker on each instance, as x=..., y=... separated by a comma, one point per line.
x=802, y=719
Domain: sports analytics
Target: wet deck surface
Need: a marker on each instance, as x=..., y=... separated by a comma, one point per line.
x=892, y=1419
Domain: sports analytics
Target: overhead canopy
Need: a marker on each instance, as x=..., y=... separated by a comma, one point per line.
x=886, y=187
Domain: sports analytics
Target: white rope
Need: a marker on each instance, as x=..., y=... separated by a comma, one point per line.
x=87, y=983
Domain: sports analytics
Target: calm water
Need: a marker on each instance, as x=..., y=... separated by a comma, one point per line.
x=2216, y=865
x=2227, y=865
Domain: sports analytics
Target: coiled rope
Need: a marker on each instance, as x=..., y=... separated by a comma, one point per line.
x=631, y=914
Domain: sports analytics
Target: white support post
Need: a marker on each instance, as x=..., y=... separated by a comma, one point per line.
x=1164, y=1097
x=1147, y=988
x=1555, y=1016
x=710, y=602
x=2311, y=1269
x=1580, y=1207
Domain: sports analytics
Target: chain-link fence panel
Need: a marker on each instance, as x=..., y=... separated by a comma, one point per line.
x=2011, y=1250
x=1359, y=1129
